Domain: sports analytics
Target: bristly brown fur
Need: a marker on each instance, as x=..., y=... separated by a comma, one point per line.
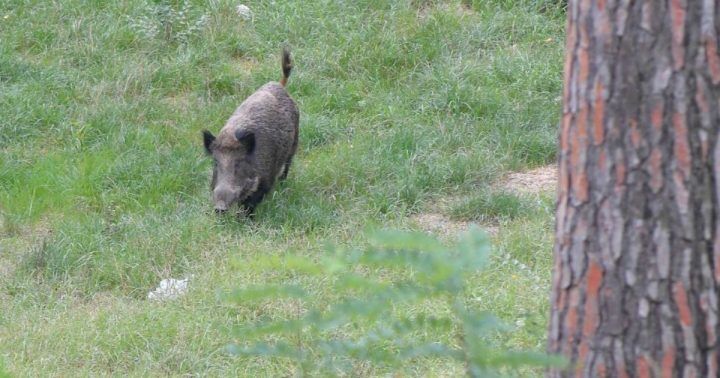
x=255, y=147
x=286, y=66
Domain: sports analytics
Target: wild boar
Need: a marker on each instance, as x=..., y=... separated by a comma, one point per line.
x=255, y=147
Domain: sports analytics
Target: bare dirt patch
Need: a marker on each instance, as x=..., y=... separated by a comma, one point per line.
x=542, y=179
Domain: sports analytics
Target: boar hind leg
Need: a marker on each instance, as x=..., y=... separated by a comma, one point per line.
x=286, y=168
x=251, y=202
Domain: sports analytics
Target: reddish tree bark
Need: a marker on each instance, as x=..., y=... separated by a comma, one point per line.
x=637, y=253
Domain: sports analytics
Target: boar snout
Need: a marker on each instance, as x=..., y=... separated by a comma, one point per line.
x=224, y=197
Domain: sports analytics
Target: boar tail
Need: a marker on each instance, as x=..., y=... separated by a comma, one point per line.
x=286, y=66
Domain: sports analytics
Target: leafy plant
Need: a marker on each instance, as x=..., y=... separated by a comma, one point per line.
x=169, y=22
x=397, y=272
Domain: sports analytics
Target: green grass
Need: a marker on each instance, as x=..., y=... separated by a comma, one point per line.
x=104, y=184
x=498, y=206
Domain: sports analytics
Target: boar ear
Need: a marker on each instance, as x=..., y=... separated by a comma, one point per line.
x=247, y=138
x=208, y=138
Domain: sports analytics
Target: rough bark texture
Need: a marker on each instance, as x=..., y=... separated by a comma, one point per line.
x=637, y=254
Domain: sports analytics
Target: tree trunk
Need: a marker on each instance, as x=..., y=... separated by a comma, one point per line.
x=637, y=253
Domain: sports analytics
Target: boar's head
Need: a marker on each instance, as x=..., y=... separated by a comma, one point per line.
x=234, y=178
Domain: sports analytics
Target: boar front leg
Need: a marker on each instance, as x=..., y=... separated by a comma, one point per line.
x=250, y=203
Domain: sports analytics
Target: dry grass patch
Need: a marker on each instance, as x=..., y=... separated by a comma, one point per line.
x=542, y=179
x=442, y=225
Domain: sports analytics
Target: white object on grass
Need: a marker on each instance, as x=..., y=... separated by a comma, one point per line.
x=169, y=288
x=244, y=12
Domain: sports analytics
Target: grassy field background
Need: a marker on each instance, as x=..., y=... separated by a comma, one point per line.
x=407, y=107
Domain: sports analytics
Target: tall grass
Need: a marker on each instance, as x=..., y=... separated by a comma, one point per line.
x=104, y=185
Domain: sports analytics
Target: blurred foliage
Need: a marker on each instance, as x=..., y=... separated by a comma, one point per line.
x=363, y=326
x=3, y=373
